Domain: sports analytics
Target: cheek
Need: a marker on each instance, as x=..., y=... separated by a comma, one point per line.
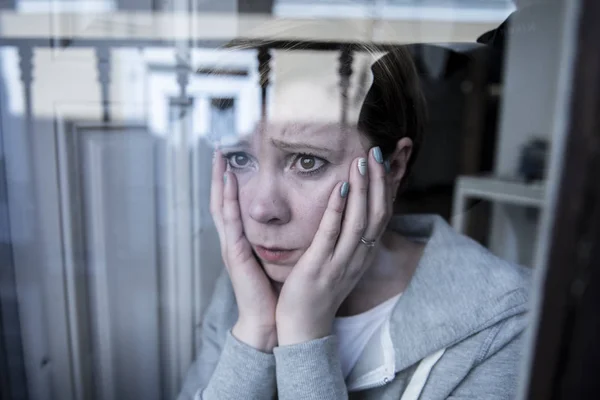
x=245, y=190
x=309, y=203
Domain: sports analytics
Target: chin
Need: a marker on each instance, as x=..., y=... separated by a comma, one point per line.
x=277, y=273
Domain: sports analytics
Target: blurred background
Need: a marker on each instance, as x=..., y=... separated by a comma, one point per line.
x=109, y=109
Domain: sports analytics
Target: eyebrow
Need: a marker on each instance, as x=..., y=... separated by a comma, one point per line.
x=299, y=146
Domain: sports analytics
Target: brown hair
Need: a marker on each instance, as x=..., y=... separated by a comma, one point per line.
x=394, y=107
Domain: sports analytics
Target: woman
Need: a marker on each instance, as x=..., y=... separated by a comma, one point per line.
x=326, y=295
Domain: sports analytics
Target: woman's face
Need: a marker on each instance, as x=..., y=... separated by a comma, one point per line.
x=286, y=173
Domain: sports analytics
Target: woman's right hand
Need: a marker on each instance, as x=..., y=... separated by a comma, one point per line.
x=256, y=298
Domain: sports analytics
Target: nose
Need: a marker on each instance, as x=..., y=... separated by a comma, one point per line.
x=269, y=205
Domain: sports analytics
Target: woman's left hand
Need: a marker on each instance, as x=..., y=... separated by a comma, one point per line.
x=336, y=259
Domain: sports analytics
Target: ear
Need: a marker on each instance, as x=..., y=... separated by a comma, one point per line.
x=399, y=161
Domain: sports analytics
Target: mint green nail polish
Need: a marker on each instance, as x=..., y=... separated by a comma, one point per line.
x=344, y=190
x=224, y=178
x=378, y=155
x=387, y=166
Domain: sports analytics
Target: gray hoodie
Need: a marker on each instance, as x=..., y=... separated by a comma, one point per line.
x=455, y=333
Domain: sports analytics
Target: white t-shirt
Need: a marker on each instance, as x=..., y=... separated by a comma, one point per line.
x=353, y=333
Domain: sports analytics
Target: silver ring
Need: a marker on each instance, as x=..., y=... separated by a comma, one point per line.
x=368, y=243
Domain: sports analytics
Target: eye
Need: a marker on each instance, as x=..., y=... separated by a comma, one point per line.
x=308, y=164
x=238, y=160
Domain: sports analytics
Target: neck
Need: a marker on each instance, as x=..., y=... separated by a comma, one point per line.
x=394, y=262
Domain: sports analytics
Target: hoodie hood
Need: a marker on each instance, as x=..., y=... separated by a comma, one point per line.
x=458, y=289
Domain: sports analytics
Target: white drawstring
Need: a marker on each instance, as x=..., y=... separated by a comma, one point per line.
x=417, y=382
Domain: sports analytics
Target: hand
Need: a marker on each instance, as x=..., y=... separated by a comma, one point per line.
x=336, y=259
x=256, y=299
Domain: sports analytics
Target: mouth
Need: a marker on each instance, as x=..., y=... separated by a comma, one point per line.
x=272, y=254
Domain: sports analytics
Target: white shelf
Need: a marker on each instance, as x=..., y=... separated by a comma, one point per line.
x=494, y=189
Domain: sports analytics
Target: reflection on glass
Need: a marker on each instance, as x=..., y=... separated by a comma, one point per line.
x=323, y=248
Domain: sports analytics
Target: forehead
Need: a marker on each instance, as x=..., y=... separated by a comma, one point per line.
x=326, y=133
x=305, y=104
x=330, y=135
x=307, y=86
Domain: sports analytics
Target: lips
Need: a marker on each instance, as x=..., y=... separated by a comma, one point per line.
x=273, y=255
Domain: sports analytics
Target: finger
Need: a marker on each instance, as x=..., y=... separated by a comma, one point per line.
x=380, y=204
x=238, y=248
x=355, y=218
x=329, y=229
x=216, y=191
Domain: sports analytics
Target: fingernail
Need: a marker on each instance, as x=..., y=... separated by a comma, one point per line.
x=225, y=178
x=388, y=166
x=377, y=154
x=362, y=166
x=344, y=190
